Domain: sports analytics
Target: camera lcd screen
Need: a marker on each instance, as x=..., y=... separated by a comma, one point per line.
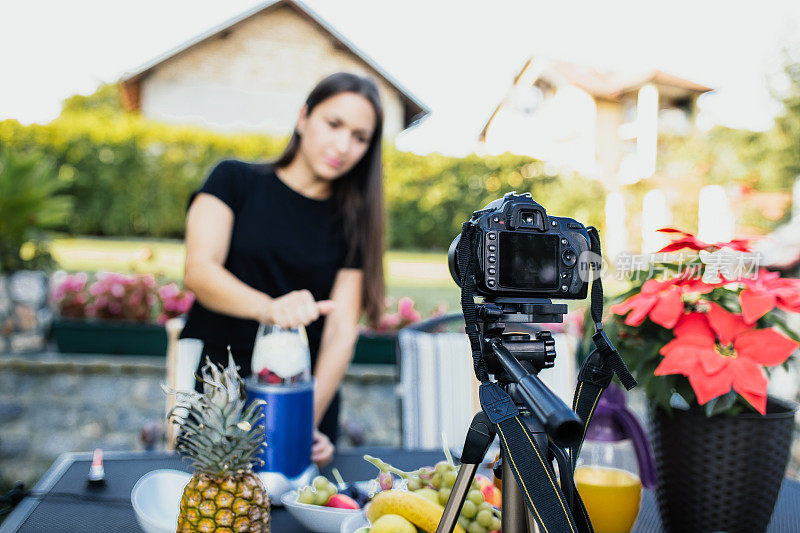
x=528, y=260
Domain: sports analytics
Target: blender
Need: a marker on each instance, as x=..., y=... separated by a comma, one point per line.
x=281, y=377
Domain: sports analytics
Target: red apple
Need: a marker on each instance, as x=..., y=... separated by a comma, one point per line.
x=492, y=495
x=342, y=501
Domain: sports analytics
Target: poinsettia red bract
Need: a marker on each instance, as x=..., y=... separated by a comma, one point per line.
x=718, y=350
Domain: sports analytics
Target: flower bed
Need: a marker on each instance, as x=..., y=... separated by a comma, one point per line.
x=115, y=313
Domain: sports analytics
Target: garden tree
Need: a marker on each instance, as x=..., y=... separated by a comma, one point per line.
x=106, y=100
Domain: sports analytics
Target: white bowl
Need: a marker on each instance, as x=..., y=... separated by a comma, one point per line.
x=316, y=517
x=156, y=499
x=277, y=484
x=354, y=523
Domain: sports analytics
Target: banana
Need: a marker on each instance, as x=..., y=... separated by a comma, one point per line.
x=419, y=511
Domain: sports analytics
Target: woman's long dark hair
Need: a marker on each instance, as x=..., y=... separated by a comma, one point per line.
x=359, y=193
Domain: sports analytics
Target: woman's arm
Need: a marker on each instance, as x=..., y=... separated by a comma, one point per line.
x=208, y=234
x=209, y=224
x=338, y=338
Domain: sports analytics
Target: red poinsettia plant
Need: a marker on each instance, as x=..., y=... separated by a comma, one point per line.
x=708, y=328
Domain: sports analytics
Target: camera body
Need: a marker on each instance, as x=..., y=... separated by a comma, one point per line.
x=523, y=252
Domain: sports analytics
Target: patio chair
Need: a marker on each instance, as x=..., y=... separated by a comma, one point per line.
x=438, y=388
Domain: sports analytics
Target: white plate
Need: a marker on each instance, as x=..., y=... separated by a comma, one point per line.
x=156, y=499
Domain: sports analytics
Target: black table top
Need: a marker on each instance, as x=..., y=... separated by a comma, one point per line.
x=61, y=501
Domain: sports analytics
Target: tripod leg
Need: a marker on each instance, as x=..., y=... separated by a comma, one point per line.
x=516, y=516
x=479, y=437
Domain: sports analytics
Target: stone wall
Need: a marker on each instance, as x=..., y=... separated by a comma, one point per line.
x=24, y=315
x=50, y=404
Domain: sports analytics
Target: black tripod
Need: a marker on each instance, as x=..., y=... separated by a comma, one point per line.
x=514, y=359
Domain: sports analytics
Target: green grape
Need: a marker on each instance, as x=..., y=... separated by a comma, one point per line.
x=495, y=525
x=444, y=494
x=442, y=467
x=485, y=505
x=475, y=527
x=468, y=509
x=476, y=497
x=449, y=478
x=436, y=481
x=414, y=483
x=322, y=497
x=306, y=495
x=331, y=488
x=464, y=522
x=320, y=483
x=484, y=518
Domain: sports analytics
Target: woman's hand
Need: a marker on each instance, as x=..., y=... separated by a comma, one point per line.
x=294, y=309
x=322, y=449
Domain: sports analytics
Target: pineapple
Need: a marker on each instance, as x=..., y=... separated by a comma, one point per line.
x=221, y=438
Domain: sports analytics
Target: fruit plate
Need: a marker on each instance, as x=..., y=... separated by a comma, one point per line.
x=156, y=499
x=324, y=519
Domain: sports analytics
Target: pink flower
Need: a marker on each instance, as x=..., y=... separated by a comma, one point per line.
x=169, y=291
x=405, y=307
x=117, y=290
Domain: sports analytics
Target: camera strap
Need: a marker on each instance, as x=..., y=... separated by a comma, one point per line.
x=467, y=268
x=603, y=362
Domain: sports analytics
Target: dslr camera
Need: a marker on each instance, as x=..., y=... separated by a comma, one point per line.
x=523, y=252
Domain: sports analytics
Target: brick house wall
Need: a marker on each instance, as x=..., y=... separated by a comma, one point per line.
x=255, y=77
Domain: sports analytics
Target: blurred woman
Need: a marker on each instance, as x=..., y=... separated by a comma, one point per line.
x=297, y=241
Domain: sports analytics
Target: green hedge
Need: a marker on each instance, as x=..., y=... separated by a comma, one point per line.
x=132, y=177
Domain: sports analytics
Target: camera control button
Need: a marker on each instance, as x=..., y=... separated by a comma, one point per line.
x=492, y=236
x=564, y=288
x=492, y=259
x=564, y=241
x=490, y=283
x=564, y=275
x=569, y=258
x=492, y=271
x=492, y=248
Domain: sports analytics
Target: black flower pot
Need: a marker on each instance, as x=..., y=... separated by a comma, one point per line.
x=721, y=473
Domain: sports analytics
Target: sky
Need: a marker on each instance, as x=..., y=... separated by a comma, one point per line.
x=457, y=57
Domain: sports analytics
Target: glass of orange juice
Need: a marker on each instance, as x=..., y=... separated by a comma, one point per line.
x=611, y=497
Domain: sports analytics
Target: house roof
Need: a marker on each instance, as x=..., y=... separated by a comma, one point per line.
x=605, y=85
x=612, y=85
x=414, y=108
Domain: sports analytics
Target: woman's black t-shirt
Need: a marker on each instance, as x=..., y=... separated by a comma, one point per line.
x=281, y=241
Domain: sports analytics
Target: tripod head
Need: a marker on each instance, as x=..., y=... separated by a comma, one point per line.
x=535, y=352
x=515, y=358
